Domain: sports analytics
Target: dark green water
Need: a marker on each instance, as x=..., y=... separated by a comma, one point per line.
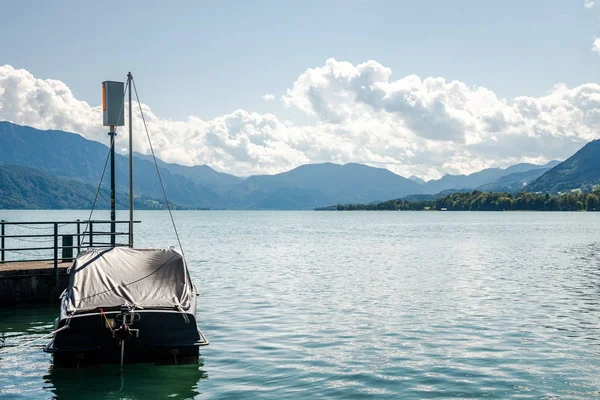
x=365, y=304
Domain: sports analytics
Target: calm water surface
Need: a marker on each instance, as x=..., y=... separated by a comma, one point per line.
x=358, y=304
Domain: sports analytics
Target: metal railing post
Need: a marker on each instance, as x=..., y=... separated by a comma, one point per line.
x=67, y=248
x=78, y=237
x=2, y=241
x=91, y=234
x=56, y=253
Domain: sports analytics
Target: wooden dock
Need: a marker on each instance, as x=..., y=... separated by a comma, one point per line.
x=31, y=265
x=31, y=282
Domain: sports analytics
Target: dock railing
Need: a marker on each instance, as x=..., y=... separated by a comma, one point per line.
x=19, y=245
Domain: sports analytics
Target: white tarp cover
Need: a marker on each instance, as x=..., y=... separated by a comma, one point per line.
x=104, y=278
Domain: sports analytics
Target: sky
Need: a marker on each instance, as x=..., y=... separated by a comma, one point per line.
x=421, y=88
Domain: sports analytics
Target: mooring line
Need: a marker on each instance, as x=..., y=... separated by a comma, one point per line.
x=8, y=350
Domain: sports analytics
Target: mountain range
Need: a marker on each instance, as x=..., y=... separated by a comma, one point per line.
x=73, y=165
x=580, y=171
x=71, y=157
x=509, y=179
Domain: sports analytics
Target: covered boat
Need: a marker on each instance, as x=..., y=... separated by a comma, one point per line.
x=122, y=304
x=127, y=305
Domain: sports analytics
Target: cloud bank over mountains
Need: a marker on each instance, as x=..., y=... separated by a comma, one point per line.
x=412, y=126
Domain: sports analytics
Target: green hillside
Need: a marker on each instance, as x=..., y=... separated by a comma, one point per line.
x=580, y=171
x=31, y=188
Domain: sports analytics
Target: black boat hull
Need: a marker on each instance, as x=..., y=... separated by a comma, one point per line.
x=158, y=336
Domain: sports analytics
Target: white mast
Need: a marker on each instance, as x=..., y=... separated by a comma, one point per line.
x=129, y=79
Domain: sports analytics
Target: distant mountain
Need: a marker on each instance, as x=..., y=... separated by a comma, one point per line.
x=478, y=179
x=71, y=156
x=514, y=182
x=31, y=188
x=582, y=169
x=416, y=179
x=328, y=184
x=286, y=198
x=551, y=164
x=200, y=174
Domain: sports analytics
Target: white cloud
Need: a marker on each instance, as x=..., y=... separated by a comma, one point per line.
x=596, y=46
x=424, y=127
x=589, y=3
x=268, y=97
x=448, y=126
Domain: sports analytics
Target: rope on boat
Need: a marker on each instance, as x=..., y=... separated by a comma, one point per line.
x=108, y=324
x=10, y=349
x=185, y=317
x=157, y=169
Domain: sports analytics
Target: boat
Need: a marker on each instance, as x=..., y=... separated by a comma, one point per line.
x=122, y=304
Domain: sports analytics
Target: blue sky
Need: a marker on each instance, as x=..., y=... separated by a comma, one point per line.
x=208, y=59
x=215, y=57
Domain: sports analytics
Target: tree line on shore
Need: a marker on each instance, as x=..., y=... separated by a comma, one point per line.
x=487, y=201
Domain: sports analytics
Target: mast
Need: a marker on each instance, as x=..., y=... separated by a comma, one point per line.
x=129, y=79
x=112, y=133
x=112, y=116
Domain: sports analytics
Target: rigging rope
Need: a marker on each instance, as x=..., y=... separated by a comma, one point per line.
x=157, y=169
x=87, y=224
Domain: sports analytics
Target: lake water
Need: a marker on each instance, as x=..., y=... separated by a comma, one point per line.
x=358, y=304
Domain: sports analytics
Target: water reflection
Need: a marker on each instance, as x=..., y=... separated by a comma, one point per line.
x=143, y=381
